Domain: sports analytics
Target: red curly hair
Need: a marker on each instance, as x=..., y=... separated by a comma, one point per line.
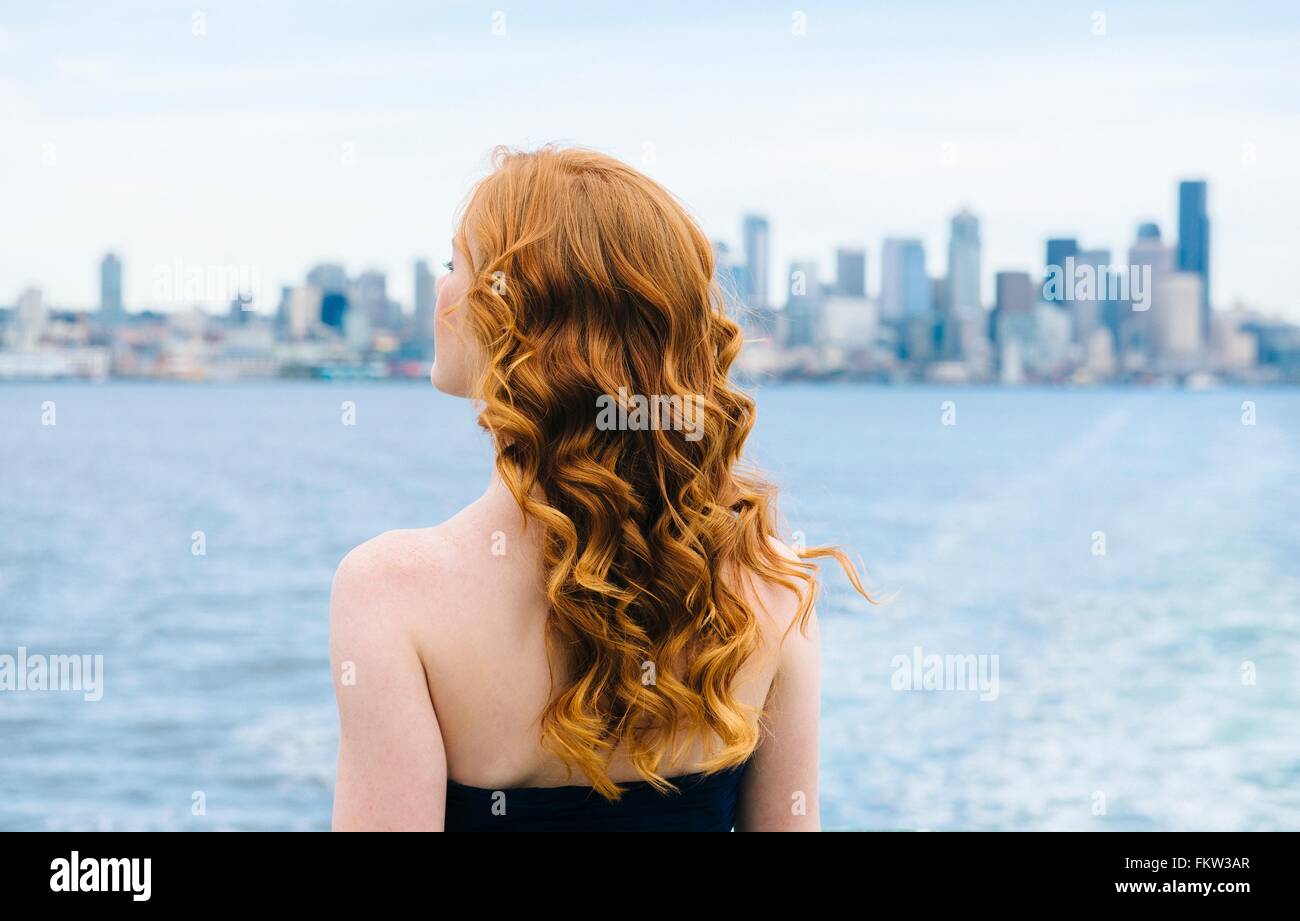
x=589, y=279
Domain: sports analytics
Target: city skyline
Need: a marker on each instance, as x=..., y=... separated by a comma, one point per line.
x=1193, y=216
x=1080, y=318
x=885, y=279
x=211, y=148
x=891, y=277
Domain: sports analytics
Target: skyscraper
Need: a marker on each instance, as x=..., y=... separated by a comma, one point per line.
x=110, y=287
x=1015, y=293
x=1149, y=260
x=730, y=275
x=29, y=319
x=284, y=312
x=329, y=277
x=333, y=309
x=803, y=306
x=1058, y=250
x=964, y=266
x=1148, y=230
x=1087, y=313
x=327, y=301
x=962, y=325
x=757, y=251
x=370, y=296
x=851, y=272
x=304, y=303
x=904, y=286
x=1176, y=311
x=1194, y=241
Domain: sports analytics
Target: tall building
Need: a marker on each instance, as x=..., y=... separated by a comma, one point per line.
x=803, y=306
x=1194, y=241
x=851, y=272
x=325, y=296
x=730, y=276
x=1015, y=333
x=1177, y=319
x=29, y=319
x=964, y=298
x=333, y=309
x=1149, y=260
x=1058, y=251
x=1149, y=251
x=757, y=245
x=110, y=287
x=357, y=331
x=329, y=277
x=904, y=286
x=938, y=294
x=962, y=323
x=426, y=296
x=370, y=297
x=1088, y=313
x=304, y=310
x=1014, y=293
x=238, y=311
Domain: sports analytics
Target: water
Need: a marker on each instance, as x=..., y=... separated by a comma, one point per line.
x=1120, y=684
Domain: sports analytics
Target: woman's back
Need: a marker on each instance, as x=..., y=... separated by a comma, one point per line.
x=647, y=618
x=442, y=633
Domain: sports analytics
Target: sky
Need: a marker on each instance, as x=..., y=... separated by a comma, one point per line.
x=280, y=135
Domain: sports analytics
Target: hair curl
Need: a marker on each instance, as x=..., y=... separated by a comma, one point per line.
x=586, y=278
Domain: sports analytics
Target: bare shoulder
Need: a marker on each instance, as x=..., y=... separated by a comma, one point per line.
x=421, y=576
x=777, y=604
x=395, y=563
x=391, y=754
x=390, y=585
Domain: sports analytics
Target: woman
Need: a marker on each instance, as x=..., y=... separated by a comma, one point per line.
x=611, y=637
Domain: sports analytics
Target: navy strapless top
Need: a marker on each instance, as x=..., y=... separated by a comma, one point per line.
x=704, y=802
